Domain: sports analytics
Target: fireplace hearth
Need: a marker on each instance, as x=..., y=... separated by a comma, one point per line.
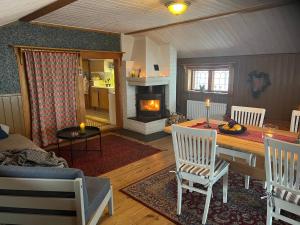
x=150, y=103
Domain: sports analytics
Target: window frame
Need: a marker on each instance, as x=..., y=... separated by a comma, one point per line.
x=211, y=68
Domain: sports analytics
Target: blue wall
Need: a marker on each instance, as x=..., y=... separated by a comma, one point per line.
x=21, y=33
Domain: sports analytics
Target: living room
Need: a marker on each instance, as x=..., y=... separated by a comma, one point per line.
x=149, y=112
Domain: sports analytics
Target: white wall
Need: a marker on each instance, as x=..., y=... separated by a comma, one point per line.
x=142, y=52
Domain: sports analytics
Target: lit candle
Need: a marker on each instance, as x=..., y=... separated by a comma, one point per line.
x=82, y=127
x=269, y=134
x=207, y=103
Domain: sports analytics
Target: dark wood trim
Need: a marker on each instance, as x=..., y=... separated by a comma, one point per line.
x=82, y=51
x=46, y=9
x=74, y=28
x=244, y=10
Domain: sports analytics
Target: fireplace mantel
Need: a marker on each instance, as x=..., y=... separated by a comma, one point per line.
x=147, y=81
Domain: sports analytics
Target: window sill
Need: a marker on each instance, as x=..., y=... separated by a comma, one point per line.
x=209, y=92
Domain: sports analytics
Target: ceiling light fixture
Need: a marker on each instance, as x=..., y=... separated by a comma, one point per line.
x=178, y=7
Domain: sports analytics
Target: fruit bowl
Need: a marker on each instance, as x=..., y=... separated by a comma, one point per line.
x=222, y=129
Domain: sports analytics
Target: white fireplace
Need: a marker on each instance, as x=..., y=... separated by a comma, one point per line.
x=143, y=54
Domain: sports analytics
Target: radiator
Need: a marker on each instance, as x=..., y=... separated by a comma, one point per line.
x=197, y=109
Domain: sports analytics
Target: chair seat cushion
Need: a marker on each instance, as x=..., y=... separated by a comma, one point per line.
x=97, y=189
x=286, y=195
x=202, y=170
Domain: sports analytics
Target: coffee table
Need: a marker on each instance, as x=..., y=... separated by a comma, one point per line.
x=73, y=133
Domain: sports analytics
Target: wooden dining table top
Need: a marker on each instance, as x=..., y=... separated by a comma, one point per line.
x=234, y=142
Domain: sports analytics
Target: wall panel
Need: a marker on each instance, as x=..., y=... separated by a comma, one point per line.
x=11, y=112
x=279, y=99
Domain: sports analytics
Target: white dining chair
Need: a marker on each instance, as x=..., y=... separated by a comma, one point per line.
x=196, y=162
x=295, y=121
x=283, y=179
x=245, y=116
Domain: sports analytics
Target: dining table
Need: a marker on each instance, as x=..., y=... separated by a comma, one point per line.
x=249, y=142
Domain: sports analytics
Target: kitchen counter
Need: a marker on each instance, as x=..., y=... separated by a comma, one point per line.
x=111, y=90
x=104, y=87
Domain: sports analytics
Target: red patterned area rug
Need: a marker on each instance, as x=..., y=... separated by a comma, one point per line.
x=244, y=207
x=116, y=152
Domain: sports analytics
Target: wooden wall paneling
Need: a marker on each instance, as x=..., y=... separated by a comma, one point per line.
x=8, y=112
x=17, y=114
x=2, y=115
x=24, y=92
x=11, y=112
x=279, y=99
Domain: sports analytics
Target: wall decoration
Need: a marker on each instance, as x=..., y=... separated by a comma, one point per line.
x=259, y=81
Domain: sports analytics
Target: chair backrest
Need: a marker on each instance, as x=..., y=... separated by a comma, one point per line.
x=282, y=165
x=295, y=121
x=248, y=115
x=195, y=147
x=197, y=109
x=36, y=201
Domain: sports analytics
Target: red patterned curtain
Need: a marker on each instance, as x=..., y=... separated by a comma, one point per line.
x=51, y=81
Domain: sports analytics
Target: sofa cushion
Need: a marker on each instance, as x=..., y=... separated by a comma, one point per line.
x=17, y=142
x=286, y=195
x=97, y=188
x=3, y=134
x=44, y=173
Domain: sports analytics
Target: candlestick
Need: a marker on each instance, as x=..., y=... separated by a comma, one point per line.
x=82, y=128
x=207, y=105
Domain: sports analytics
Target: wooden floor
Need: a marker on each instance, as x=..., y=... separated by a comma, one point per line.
x=127, y=210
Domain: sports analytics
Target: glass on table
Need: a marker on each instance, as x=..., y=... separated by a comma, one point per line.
x=269, y=130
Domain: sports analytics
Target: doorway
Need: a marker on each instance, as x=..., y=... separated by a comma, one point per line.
x=99, y=92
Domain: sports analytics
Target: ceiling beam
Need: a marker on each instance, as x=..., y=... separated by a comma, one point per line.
x=46, y=9
x=244, y=10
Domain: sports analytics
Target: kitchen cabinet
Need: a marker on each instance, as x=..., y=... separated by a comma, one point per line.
x=99, y=98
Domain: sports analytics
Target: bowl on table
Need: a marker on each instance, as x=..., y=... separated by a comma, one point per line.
x=232, y=127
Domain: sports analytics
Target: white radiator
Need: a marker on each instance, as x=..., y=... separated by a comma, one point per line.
x=197, y=109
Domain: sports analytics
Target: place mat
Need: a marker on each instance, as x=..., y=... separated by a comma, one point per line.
x=249, y=134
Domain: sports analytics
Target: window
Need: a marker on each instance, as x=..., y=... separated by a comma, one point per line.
x=210, y=79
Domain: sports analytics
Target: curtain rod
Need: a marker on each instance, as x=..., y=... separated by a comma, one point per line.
x=59, y=49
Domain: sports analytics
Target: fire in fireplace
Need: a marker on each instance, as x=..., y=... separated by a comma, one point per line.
x=150, y=103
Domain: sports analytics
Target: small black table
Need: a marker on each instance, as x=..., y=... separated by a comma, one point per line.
x=73, y=133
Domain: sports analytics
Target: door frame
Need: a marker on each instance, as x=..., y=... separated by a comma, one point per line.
x=117, y=57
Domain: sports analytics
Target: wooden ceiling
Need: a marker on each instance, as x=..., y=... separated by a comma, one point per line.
x=215, y=27
x=132, y=15
x=264, y=32
x=12, y=10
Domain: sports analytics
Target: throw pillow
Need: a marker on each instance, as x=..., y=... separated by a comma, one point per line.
x=3, y=134
x=5, y=128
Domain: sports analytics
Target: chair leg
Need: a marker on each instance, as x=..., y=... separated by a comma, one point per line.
x=111, y=204
x=179, y=197
x=277, y=211
x=269, y=215
x=225, y=187
x=191, y=184
x=247, y=182
x=207, y=202
x=247, y=178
